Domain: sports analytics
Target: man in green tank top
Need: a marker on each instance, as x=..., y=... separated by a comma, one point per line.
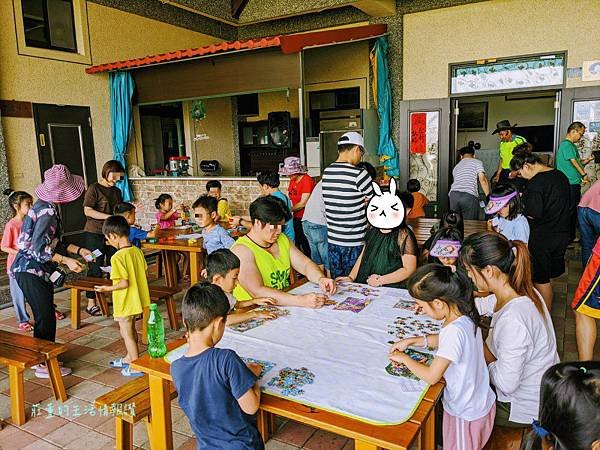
x=508, y=142
x=267, y=257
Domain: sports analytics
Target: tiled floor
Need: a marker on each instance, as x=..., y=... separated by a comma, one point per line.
x=98, y=342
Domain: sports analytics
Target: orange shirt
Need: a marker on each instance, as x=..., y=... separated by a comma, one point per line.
x=417, y=209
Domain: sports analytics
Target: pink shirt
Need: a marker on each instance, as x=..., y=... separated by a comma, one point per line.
x=9, y=238
x=166, y=223
x=591, y=198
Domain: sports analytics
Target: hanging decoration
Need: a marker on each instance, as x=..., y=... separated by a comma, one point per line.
x=198, y=112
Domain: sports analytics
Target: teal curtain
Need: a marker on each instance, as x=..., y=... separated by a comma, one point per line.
x=121, y=92
x=386, y=148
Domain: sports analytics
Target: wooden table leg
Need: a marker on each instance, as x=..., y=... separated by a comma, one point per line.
x=172, y=312
x=75, y=308
x=123, y=434
x=103, y=303
x=161, y=437
x=362, y=445
x=145, y=314
x=194, y=268
x=262, y=423
x=58, y=387
x=17, y=395
x=428, y=433
x=170, y=265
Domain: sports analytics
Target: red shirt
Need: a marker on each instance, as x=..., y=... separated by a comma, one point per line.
x=304, y=185
x=9, y=238
x=417, y=209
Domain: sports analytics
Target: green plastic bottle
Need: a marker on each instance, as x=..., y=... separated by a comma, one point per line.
x=156, y=333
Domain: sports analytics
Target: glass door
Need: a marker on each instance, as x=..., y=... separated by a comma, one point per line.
x=425, y=151
x=583, y=105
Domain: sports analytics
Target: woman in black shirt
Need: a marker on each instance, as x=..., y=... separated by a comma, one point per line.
x=546, y=204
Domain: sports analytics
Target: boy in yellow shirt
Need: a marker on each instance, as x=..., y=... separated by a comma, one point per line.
x=130, y=292
x=213, y=188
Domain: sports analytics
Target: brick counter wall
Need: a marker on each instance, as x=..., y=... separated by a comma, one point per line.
x=239, y=192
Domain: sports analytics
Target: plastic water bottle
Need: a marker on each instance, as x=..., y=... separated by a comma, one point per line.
x=156, y=333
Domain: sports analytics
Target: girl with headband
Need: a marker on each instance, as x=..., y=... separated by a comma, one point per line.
x=505, y=203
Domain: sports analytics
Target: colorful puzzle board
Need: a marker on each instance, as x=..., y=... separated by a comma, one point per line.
x=335, y=358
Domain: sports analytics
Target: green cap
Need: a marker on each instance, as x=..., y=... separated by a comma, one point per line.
x=153, y=306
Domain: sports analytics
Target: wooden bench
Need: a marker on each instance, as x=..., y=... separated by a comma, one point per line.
x=87, y=284
x=134, y=393
x=504, y=438
x=422, y=227
x=157, y=255
x=19, y=352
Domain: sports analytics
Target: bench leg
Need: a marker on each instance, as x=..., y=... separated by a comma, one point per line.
x=172, y=314
x=75, y=308
x=101, y=299
x=123, y=434
x=17, y=395
x=58, y=387
x=145, y=314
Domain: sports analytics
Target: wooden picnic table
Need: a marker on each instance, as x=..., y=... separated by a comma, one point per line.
x=419, y=429
x=169, y=247
x=422, y=227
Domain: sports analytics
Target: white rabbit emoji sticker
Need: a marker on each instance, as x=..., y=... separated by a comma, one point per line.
x=385, y=209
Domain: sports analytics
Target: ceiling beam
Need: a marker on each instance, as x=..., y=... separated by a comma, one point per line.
x=237, y=6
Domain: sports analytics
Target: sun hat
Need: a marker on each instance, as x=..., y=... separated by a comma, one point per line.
x=445, y=249
x=352, y=138
x=291, y=166
x=60, y=186
x=504, y=125
x=497, y=203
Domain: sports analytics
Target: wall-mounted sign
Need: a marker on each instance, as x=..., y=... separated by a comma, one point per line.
x=507, y=74
x=590, y=71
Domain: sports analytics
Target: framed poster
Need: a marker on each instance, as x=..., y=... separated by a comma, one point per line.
x=472, y=116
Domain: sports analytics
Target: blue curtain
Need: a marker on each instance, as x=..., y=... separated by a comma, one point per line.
x=121, y=91
x=386, y=150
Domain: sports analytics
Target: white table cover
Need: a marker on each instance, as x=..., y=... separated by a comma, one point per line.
x=346, y=353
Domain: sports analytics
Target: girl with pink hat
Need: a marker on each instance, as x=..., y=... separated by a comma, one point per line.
x=42, y=251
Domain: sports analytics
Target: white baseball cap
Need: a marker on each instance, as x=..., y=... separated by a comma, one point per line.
x=352, y=138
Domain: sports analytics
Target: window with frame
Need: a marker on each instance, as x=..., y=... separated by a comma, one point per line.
x=49, y=24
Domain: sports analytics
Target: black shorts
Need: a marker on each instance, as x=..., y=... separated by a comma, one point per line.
x=548, y=256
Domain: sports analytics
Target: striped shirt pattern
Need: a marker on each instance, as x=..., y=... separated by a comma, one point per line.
x=465, y=176
x=344, y=190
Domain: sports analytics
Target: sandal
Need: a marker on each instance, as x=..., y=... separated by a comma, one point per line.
x=129, y=372
x=93, y=311
x=118, y=364
x=25, y=326
x=58, y=315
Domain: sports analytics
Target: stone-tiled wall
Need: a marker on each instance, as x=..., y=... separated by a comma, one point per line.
x=240, y=192
x=5, y=211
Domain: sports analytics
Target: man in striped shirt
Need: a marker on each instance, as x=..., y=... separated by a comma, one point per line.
x=346, y=191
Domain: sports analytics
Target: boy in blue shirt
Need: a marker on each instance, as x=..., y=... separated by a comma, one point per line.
x=136, y=235
x=217, y=391
x=214, y=236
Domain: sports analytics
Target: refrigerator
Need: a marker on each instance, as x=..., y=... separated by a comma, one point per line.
x=334, y=124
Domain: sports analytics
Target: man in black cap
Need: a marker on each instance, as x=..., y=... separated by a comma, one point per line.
x=508, y=142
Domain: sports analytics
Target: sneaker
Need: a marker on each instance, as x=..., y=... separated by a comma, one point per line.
x=42, y=371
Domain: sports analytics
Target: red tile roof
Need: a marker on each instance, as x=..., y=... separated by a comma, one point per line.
x=223, y=47
x=288, y=43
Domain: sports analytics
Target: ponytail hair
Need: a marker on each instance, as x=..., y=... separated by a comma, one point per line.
x=488, y=248
x=569, y=414
x=437, y=282
x=161, y=199
x=523, y=154
x=15, y=198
